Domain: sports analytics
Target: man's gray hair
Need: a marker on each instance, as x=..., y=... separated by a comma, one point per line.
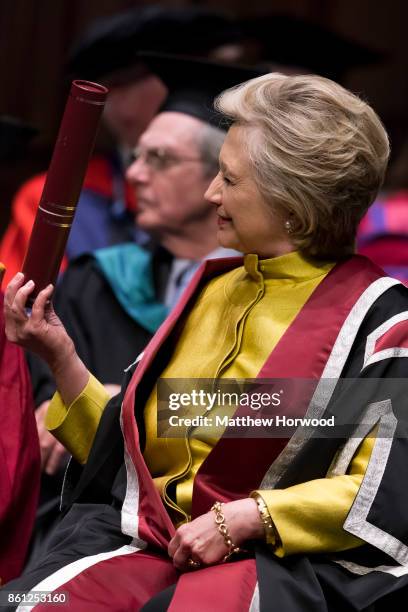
x=210, y=141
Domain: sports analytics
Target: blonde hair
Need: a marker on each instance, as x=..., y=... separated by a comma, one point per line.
x=319, y=155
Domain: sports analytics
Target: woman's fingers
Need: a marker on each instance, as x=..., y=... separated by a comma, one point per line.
x=14, y=285
x=188, y=546
x=180, y=549
x=56, y=458
x=20, y=299
x=16, y=318
x=46, y=444
x=16, y=296
x=173, y=544
x=181, y=557
x=200, y=543
x=37, y=331
x=53, y=453
x=44, y=437
x=40, y=303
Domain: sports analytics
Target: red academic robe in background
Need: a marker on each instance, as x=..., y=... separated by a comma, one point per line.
x=105, y=215
x=383, y=234
x=19, y=458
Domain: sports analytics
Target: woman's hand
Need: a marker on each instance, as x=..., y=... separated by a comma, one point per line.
x=41, y=332
x=201, y=541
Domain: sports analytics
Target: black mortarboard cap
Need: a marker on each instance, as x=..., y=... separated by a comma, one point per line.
x=193, y=84
x=111, y=44
x=290, y=41
x=14, y=137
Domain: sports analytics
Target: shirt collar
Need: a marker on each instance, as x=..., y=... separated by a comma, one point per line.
x=291, y=266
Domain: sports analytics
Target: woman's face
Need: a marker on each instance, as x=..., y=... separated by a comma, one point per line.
x=245, y=221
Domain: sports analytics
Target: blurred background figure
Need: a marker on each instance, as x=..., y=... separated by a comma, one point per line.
x=14, y=138
x=108, y=53
x=383, y=232
x=113, y=300
x=130, y=289
x=20, y=457
x=292, y=45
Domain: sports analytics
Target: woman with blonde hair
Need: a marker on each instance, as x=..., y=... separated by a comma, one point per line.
x=306, y=520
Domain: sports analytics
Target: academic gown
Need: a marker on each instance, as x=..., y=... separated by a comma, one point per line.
x=19, y=458
x=106, y=337
x=110, y=550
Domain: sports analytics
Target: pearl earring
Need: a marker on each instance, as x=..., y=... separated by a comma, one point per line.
x=288, y=226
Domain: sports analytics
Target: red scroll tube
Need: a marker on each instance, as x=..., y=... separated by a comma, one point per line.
x=63, y=184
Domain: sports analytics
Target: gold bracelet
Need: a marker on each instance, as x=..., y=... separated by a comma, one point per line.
x=271, y=532
x=222, y=528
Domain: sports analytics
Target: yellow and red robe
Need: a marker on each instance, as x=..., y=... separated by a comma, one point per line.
x=352, y=323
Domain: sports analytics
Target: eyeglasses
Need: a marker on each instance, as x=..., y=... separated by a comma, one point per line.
x=160, y=159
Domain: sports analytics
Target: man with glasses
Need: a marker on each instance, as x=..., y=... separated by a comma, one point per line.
x=107, y=52
x=112, y=301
